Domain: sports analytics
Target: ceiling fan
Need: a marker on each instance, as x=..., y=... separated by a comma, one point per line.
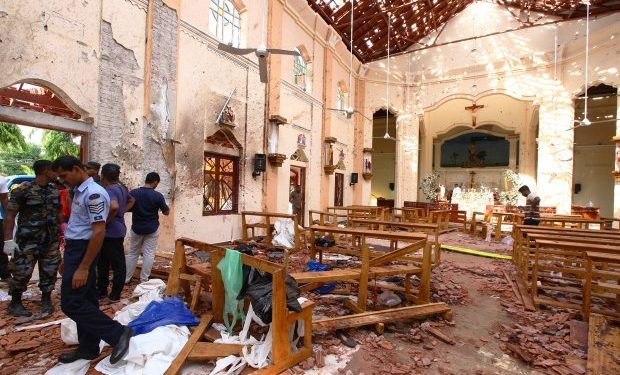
x=349, y=112
x=261, y=51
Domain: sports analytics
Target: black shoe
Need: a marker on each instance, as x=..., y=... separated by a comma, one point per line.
x=122, y=346
x=75, y=355
x=345, y=339
x=46, y=303
x=16, y=308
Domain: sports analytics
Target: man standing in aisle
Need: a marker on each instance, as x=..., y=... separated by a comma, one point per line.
x=36, y=240
x=145, y=226
x=112, y=252
x=4, y=201
x=78, y=292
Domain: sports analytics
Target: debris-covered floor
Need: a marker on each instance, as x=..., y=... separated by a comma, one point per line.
x=490, y=333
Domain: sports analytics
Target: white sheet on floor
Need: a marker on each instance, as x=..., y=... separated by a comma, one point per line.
x=68, y=332
x=79, y=367
x=149, y=290
x=284, y=233
x=150, y=353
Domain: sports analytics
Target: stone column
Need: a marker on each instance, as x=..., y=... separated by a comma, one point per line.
x=358, y=140
x=617, y=179
x=274, y=87
x=407, y=150
x=555, y=154
x=326, y=179
x=512, y=160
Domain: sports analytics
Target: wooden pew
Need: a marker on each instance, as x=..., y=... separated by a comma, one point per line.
x=592, y=258
x=379, y=266
x=265, y=224
x=603, y=345
x=407, y=214
x=195, y=349
x=569, y=259
x=381, y=225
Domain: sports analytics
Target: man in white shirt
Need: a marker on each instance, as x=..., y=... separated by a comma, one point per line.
x=4, y=200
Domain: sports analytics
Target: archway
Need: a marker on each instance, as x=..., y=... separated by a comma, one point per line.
x=384, y=157
x=594, y=150
x=45, y=121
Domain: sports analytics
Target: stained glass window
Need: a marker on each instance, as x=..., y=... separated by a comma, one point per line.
x=221, y=181
x=225, y=22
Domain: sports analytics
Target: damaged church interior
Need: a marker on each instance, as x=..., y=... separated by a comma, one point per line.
x=310, y=187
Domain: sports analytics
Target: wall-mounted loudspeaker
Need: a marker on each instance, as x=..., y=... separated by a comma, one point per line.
x=353, y=178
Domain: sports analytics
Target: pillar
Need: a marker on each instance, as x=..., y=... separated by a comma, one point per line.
x=358, y=140
x=327, y=99
x=273, y=89
x=617, y=180
x=407, y=151
x=555, y=154
x=512, y=160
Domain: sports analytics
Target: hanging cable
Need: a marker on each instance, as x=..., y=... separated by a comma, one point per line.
x=585, y=121
x=351, y=62
x=387, y=86
x=555, y=65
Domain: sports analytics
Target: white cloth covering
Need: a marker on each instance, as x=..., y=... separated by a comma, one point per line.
x=284, y=233
x=79, y=367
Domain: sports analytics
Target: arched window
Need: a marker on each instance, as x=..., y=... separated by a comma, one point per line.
x=225, y=22
x=342, y=96
x=300, y=70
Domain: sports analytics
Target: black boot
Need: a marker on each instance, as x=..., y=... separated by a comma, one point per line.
x=46, y=303
x=16, y=308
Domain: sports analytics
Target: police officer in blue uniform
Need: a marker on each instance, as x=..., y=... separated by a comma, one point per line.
x=78, y=292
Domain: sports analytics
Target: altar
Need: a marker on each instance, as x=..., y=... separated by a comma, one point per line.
x=473, y=200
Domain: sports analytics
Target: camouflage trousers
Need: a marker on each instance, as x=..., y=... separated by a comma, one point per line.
x=22, y=264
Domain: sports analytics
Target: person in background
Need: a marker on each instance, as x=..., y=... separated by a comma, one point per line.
x=112, y=251
x=532, y=206
x=78, y=291
x=295, y=200
x=36, y=241
x=92, y=169
x=145, y=226
x=4, y=201
x=65, y=211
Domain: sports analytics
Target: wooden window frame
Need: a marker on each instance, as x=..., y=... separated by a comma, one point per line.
x=235, y=188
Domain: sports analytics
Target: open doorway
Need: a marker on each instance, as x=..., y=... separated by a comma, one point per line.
x=383, y=158
x=594, y=150
x=298, y=178
x=35, y=123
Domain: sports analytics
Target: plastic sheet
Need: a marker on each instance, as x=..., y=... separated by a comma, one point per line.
x=314, y=266
x=232, y=277
x=163, y=313
x=260, y=290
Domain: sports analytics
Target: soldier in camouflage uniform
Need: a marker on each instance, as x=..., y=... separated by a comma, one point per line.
x=38, y=206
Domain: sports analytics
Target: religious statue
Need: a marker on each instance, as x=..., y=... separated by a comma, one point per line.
x=301, y=141
x=330, y=155
x=341, y=156
x=473, y=108
x=442, y=192
x=473, y=154
x=228, y=116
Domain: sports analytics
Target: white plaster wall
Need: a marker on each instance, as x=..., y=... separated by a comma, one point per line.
x=55, y=41
x=206, y=78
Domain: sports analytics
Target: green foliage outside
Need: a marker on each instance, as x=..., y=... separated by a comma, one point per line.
x=17, y=154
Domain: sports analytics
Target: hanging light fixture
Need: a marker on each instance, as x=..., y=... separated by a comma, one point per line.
x=387, y=86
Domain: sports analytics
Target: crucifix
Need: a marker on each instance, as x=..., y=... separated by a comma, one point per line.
x=474, y=108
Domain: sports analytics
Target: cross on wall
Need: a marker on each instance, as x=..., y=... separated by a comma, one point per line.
x=473, y=109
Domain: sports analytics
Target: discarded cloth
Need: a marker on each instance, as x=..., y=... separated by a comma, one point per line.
x=79, y=367
x=68, y=332
x=314, y=266
x=284, y=233
x=162, y=313
x=260, y=291
x=149, y=290
x=150, y=353
x=324, y=241
x=232, y=277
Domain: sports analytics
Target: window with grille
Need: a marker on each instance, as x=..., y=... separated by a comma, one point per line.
x=225, y=22
x=221, y=184
x=299, y=71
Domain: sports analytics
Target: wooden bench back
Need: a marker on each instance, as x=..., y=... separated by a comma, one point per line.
x=251, y=220
x=280, y=314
